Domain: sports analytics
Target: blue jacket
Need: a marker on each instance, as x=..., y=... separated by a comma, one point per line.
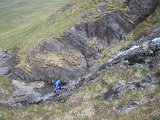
x=57, y=84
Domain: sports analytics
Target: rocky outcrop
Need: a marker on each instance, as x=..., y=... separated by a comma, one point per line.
x=70, y=58
x=139, y=10
x=124, y=86
x=6, y=63
x=148, y=49
x=93, y=37
x=54, y=60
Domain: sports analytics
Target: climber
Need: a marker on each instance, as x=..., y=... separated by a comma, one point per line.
x=57, y=85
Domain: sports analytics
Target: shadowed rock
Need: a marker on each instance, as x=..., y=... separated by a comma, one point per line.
x=6, y=63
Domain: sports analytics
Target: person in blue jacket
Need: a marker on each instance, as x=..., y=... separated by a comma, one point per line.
x=57, y=85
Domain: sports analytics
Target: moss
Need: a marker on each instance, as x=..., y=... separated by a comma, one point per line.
x=145, y=26
x=55, y=59
x=144, y=71
x=157, y=91
x=93, y=43
x=74, y=57
x=60, y=59
x=5, y=81
x=25, y=66
x=7, y=85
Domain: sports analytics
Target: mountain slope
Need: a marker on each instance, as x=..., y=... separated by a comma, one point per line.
x=21, y=18
x=108, y=62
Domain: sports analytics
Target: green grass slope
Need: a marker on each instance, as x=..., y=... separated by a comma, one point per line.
x=25, y=23
x=19, y=18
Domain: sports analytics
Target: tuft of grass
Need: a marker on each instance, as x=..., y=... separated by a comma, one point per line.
x=157, y=91
x=145, y=26
x=60, y=59
x=6, y=84
x=5, y=81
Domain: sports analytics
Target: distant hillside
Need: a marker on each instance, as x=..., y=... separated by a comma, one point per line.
x=19, y=18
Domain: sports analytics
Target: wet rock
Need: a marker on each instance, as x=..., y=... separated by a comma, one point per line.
x=19, y=93
x=101, y=8
x=135, y=53
x=32, y=97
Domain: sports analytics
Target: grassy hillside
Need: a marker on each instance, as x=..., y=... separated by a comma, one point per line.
x=19, y=18
x=26, y=23
x=85, y=105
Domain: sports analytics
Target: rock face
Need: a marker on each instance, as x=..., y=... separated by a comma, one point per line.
x=54, y=60
x=147, y=50
x=124, y=86
x=141, y=9
x=6, y=63
x=93, y=37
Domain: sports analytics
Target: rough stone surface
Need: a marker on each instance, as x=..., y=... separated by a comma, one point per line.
x=101, y=8
x=6, y=63
x=19, y=93
x=139, y=10
x=32, y=97
x=124, y=86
